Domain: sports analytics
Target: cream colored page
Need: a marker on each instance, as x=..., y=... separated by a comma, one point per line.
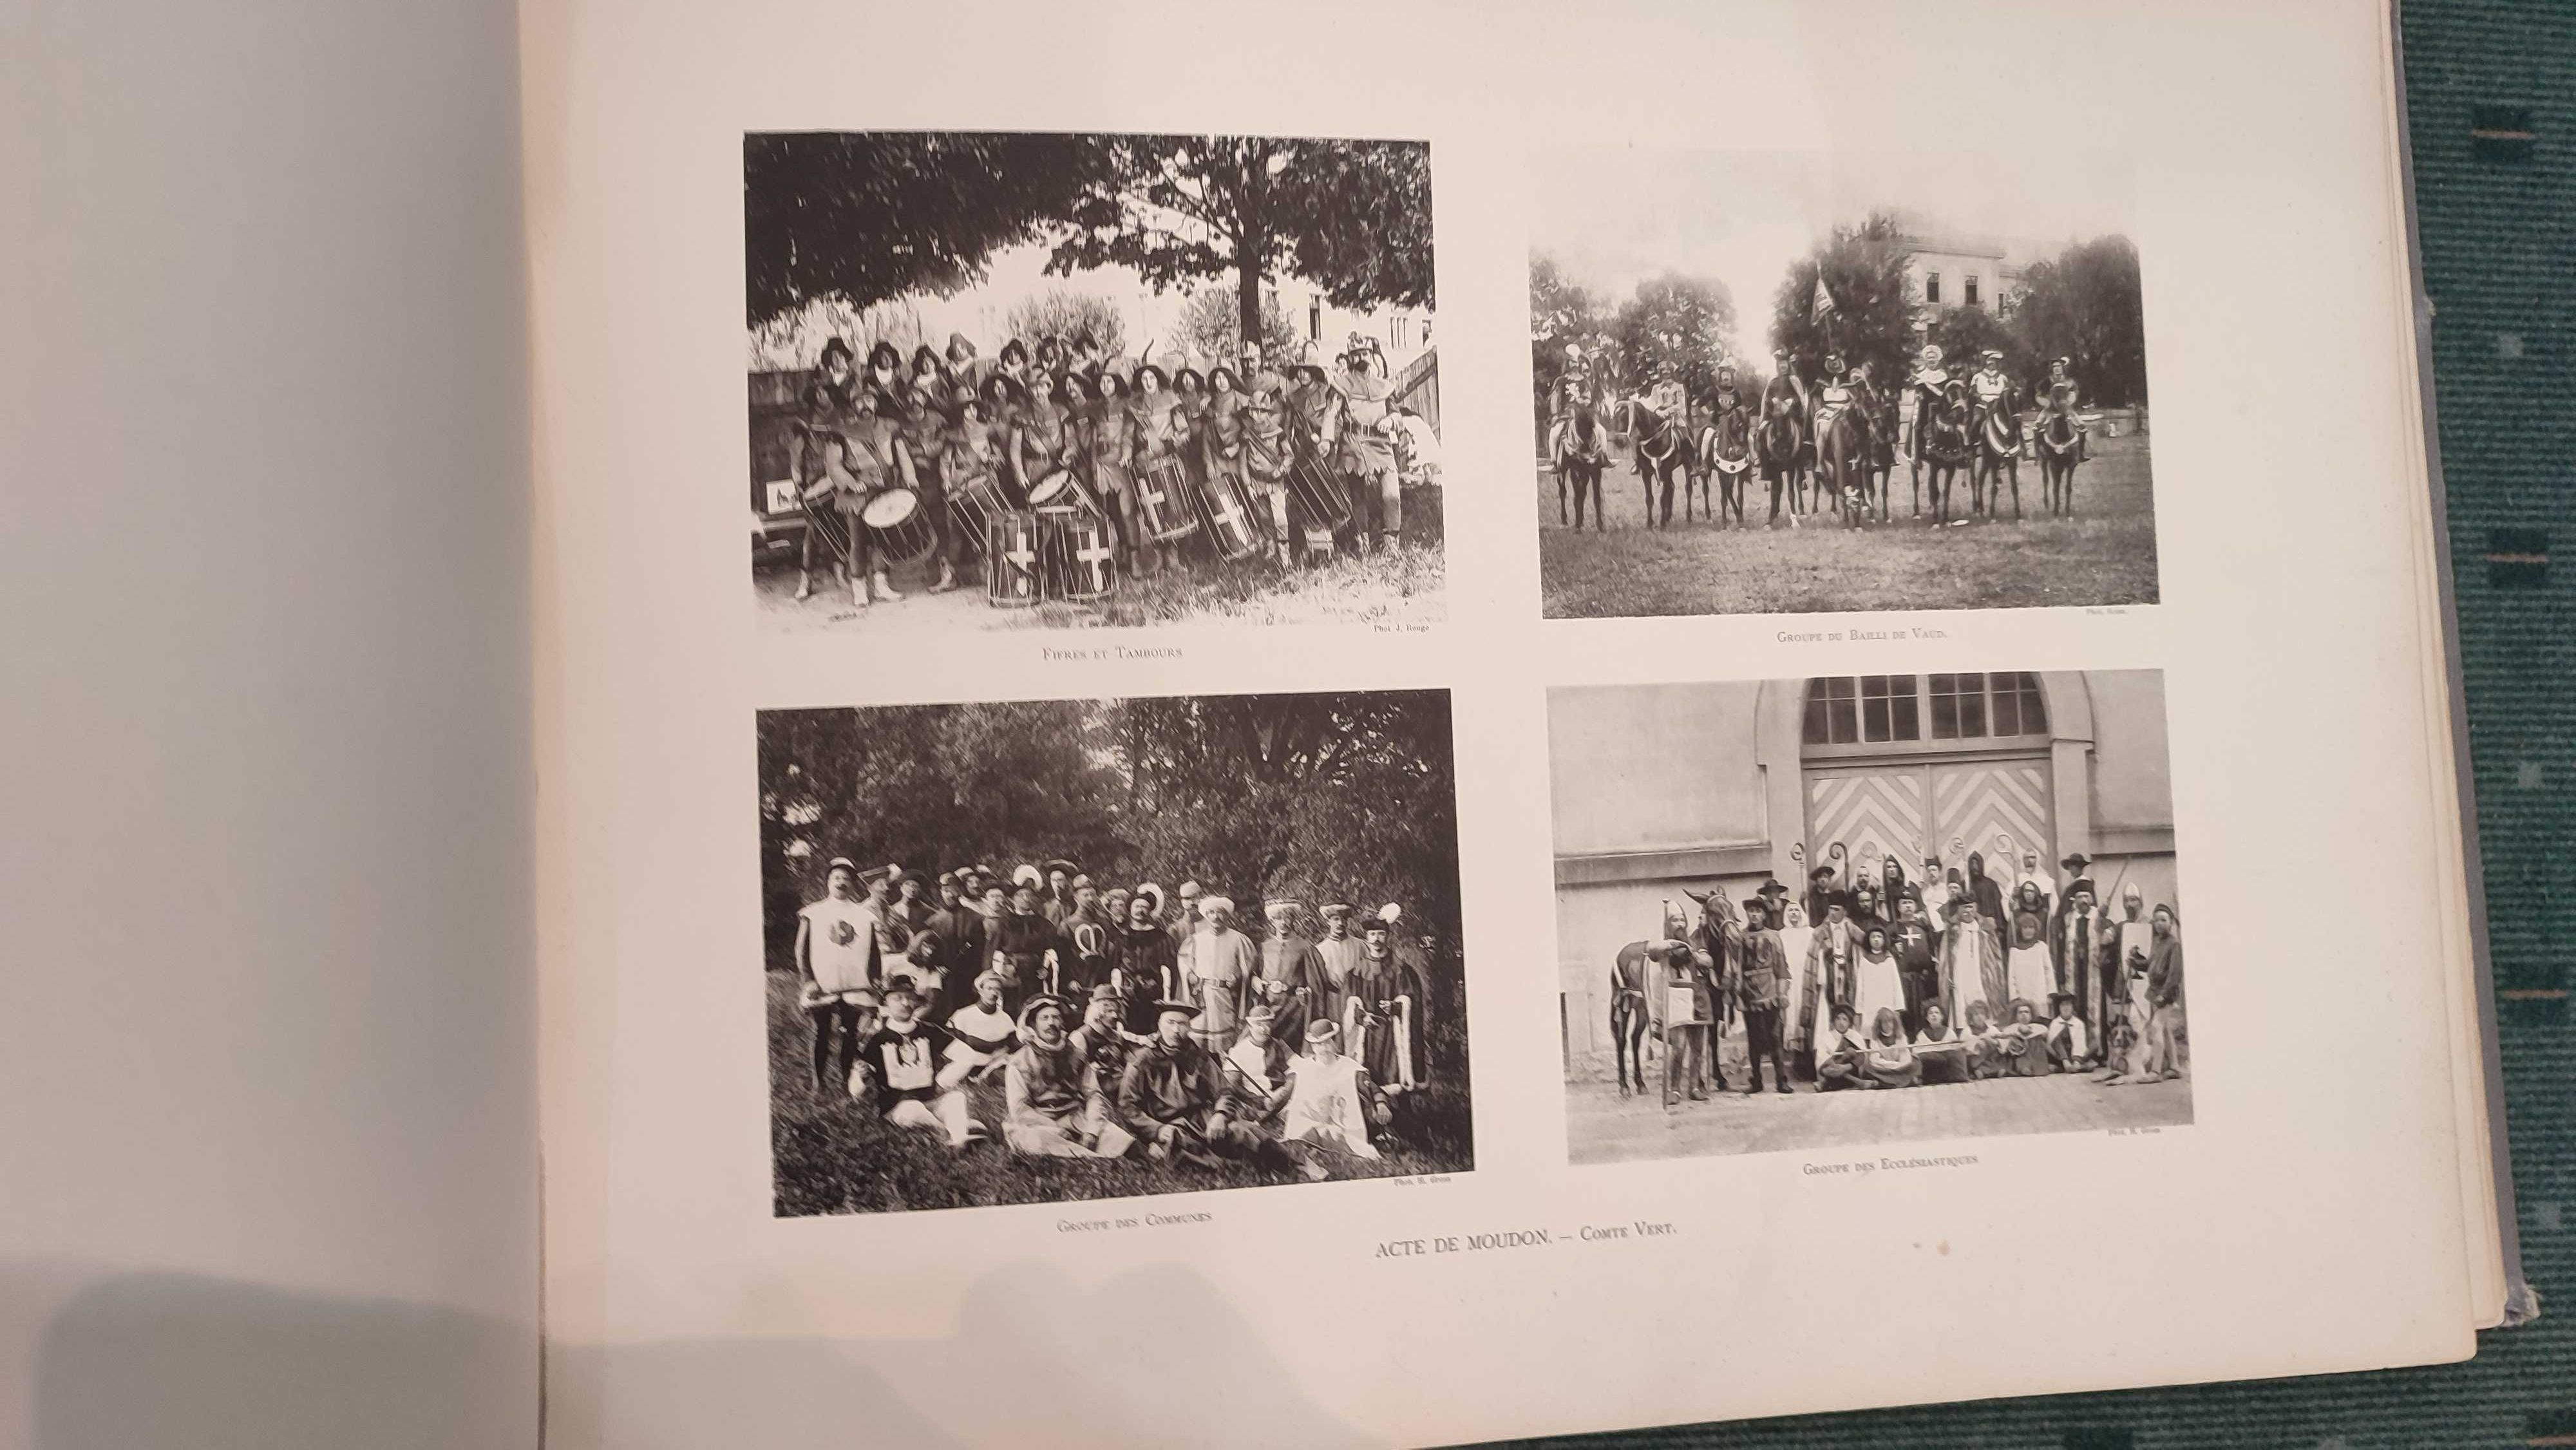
x=2310, y=1217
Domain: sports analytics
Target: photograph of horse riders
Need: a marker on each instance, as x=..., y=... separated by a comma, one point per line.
x=1832, y=382
x=1070, y=949
x=1877, y=909
x=1010, y=379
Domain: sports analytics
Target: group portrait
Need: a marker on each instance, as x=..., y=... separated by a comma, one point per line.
x=1958, y=883
x=1072, y=949
x=1001, y=380
x=1775, y=383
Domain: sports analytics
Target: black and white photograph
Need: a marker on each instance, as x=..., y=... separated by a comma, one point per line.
x=1004, y=380
x=1077, y=949
x=1835, y=382
x=1869, y=909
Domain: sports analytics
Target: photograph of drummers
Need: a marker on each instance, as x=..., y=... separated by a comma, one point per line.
x=1092, y=378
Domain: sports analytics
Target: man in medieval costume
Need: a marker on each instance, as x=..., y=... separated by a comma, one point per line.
x=1218, y=967
x=1385, y=1017
x=1763, y=990
x=1291, y=983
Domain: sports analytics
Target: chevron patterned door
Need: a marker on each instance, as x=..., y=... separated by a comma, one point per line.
x=1916, y=808
x=1870, y=811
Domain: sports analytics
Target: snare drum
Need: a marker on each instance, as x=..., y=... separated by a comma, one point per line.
x=903, y=531
x=1234, y=520
x=1080, y=564
x=1061, y=489
x=1318, y=493
x=973, y=504
x=1164, y=499
x=1011, y=561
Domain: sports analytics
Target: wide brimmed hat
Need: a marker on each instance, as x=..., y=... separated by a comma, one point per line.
x=1279, y=906
x=1380, y=922
x=1029, y=1008
x=1211, y=904
x=1027, y=875
x=1930, y=356
x=2068, y=998
x=842, y=863
x=1186, y=373
x=1103, y=992
x=1820, y=873
x=1321, y=1032
x=1187, y=1009
x=1162, y=379
x=885, y=352
x=2076, y=861
x=1063, y=865
x=2081, y=885
x=1334, y=910
x=1770, y=887
x=1149, y=892
x=1233, y=379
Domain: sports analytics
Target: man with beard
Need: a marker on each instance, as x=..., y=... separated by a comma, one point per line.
x=1056, y=902
x=1104, y=1049
x=2128, y=947
x=1024, y=948
x=1256, y=1074
x=2075, y=941
x=1218, y=967
x=840, y=955
x=1171, y=1093
x=1292, y=984
x=907, y=1065
x=1384, y=1020
x=1043, y=1113
x=1917, y=969
x=908, y=912
x=1825, y=981
x=950, y=946
x=1185, y=916
x=1763, y=991
x=1337, y=956
x=1332, y=1105
x=1144, y=963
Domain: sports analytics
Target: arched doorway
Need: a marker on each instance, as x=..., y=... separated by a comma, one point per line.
x=1927, y=766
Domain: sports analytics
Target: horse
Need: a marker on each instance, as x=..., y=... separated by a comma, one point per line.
x=1949, y=441
x=2059, y=447
x=1632, y=982
x=1729, y=454
x=1582, y=452
x=1842, y=462
x=1882, y=450
x=1775, y=451
x=1660, y=449
x=1998, y=456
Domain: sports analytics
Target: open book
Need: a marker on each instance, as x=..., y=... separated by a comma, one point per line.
x=1152, y=895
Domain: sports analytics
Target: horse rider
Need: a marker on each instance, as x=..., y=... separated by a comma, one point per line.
x=1991, y=387
x=1786, y=395
x=2061, y=398
x=1668, y=398
x=1930, y=380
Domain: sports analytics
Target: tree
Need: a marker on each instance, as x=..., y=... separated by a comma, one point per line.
x=1677, y=326
x=1353, y=217
x=865, y=217
x=1964, y=333
x=2085, y=305
x=1563, y=313
x=1212, y=330
x=1863, y=268
x=1067, y=315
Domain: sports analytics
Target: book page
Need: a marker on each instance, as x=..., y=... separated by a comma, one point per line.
x=1189, y=900
x=268, y=1113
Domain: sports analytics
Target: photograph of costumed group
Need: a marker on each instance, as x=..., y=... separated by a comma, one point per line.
x=980, y=989
x=1002, y=379
x=1985, y=907
x=1897, y=382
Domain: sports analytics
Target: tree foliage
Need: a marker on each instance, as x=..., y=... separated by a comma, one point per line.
x=2086, y=305
x=1350, y=793
x=1675, y=326
x=864, y=217
x=1066, y=314
x=1211, y=327
x=1353, y=217
x=1863, y=268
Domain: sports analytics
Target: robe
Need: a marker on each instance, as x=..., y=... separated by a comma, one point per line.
x=1876, y=984
x=1339, y=957
x=1799, y=1030
x=1293, y=985
x=1383, y=1024
x=1217, y=969
x=2031, y=970
x=1145, y=968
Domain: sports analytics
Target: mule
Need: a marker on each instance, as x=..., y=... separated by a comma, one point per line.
x=1632, y=980
x=1660, y=449
x=2060, y=449
x=1998, y=458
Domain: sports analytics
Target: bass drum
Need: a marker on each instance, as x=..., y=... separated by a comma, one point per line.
x=1012, y=561
x=1233, y=518
x=903, y=531
x=1081, y=565
x=1167, y=502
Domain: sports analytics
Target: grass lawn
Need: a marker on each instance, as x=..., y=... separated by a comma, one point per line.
x=829, y=1155
x=2104, y=555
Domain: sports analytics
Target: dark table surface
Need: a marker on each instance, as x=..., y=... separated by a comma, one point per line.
x=2491, y=116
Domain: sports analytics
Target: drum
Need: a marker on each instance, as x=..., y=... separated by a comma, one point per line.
x=1234, y=521
x=1319, y=494
x=1081, y=565
x=903, y=531
x=973, y=504
x=1164, y=500
x=1011, y=561
x=1061, y=489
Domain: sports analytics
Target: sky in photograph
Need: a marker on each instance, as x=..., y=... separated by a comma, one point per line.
x=1612, y=219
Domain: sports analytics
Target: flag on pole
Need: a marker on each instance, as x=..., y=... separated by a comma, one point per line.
x=1822, y=304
